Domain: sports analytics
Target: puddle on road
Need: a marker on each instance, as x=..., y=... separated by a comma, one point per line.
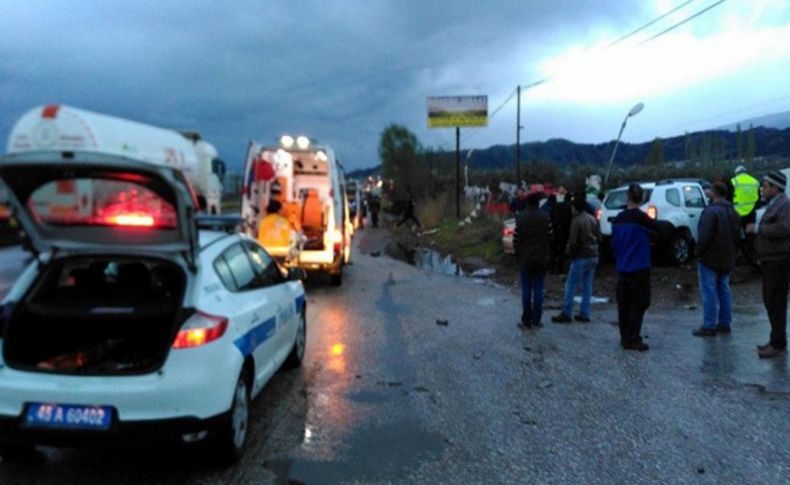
x=424, y=258
x=385, y=452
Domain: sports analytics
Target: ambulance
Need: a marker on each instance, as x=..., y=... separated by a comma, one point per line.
x=308, y=181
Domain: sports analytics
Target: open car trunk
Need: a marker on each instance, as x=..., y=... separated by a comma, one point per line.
x=98, y=315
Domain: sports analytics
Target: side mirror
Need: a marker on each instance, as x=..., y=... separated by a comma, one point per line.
x=296, y=274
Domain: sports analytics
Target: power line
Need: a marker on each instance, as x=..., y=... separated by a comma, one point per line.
x=626, y=36
x=619, y=40
x=470, y=134
x=682, y=22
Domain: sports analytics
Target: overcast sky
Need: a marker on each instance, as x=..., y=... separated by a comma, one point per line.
x=341, y=71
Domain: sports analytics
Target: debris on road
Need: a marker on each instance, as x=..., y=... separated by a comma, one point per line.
x=375, y=254
x=477, y=355
x=484, y=273
x=594, y=299
x=442, y=323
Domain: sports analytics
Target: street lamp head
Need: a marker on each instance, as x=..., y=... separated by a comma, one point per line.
x=636, y=109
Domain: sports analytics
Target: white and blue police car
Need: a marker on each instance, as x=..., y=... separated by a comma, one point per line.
x=132, y=324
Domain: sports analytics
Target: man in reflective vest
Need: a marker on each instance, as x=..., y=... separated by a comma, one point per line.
x=745, y=194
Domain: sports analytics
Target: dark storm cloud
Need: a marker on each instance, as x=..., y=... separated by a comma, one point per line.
x=338, y=71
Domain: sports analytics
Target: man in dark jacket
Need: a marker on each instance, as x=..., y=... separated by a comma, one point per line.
x=519, y=202
x=632, y=230
x=531, y=243
x=561, y=215
x=773, y=251
x=717, y=241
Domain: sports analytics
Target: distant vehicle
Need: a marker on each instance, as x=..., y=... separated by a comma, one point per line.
x=311, y=184
x=67, y=129
x=508, y=231
x=211, y=173
x=5, y=211
x=133, y=325
x=675, y=205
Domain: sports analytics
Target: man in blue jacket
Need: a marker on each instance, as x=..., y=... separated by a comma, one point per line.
x=632, y=230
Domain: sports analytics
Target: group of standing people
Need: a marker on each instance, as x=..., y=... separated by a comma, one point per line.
x=534, y=239
x=719, y=235
x=558, y=208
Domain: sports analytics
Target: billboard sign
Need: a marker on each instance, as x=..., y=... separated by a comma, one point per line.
x=454, y=111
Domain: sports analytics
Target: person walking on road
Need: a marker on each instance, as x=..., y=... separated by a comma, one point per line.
x=773, y=252
x=632, y=230
x=583, y=251
x=408, y=213
x=374, y=206
x=718, y=232
x=531, y=243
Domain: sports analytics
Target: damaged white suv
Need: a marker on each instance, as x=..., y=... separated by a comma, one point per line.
x=676, y=205
x=131, y=325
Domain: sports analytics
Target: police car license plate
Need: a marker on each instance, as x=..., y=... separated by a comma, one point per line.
x=68, y=416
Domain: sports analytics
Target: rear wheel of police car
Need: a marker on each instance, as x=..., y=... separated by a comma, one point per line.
x=229, y=444
x=297, y=352
x=12, y=451
x=680, y=248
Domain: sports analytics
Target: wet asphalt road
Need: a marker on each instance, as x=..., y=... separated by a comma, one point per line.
x=388, y=395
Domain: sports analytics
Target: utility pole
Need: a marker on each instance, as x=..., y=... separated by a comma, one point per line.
x=458, y=172
x=518, y=134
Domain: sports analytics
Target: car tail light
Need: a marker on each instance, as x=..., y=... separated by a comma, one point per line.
x=598, y=214
x=136, y=219
x=652, y=212
x=200, y=329
x=508, y=231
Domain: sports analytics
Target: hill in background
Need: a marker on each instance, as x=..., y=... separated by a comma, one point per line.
x=769, y=137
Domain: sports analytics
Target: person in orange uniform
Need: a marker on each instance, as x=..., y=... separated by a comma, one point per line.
x=276, y=234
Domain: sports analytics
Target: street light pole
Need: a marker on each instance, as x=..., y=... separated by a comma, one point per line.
x=633, y=112
x=518, y=135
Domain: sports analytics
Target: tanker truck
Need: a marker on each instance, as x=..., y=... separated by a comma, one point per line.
x=63, y=128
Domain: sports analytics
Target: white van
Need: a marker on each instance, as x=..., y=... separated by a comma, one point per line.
x=312, y=193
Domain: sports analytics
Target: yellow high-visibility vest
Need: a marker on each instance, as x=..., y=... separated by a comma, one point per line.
x=746, y=193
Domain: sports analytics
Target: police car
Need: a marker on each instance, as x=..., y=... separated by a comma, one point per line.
x=132, y=325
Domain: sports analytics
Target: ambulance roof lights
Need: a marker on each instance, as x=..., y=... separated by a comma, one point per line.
x=287, y=141
x=302, y=142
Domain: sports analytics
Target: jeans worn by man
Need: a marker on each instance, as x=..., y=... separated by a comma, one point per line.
x=582, y=273
x=718, y=234
x=532, y=297
x=716, y=301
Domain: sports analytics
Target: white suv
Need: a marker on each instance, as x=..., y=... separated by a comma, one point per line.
x=675, y=204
